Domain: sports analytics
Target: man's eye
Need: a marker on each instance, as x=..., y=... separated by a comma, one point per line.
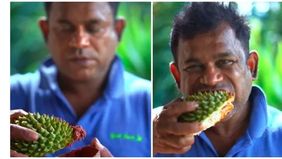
x=193, y=68
x=225, y=62
x=93, y=30
x=66, y=28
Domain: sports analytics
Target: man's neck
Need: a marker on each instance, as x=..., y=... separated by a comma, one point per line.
x=82, y=94
x=225, y=134
x=234, y=123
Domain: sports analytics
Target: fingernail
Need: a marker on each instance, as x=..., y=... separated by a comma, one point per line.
x=36, y=136
x=196, y=104
x=98, y=145
x=193, y=104
x=32, y=135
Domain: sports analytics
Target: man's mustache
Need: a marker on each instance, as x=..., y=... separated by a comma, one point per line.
x=83, y=53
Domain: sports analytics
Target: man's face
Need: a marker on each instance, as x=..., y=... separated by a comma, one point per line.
x=214, y=60
x=82, y=39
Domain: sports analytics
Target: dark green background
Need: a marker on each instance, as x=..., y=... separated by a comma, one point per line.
x=266, y=38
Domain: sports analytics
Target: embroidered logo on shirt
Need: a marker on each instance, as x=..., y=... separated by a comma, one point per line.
x=125, y=136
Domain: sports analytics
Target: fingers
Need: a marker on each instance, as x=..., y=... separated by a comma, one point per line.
x=177, y=142
x=167, y=121
x=178, y=107
x=98, y=154
x=177, y=128
x=22, y=133
x=19, y=132
x=172, y=144
x=165, y=148
x=171, y=136
x=171, y=150
x=104, y=152
x=14, y=114
x=16, y=154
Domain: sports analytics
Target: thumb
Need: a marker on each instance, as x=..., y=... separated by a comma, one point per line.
x=104, y=152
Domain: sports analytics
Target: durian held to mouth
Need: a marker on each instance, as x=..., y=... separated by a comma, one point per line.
x=214, y=106
x=54, y=134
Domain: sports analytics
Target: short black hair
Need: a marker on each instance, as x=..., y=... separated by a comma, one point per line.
x=113, y=5
x=201, y=17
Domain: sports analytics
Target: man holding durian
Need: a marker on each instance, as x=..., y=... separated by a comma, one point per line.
x=80, y=98
x=220, y=112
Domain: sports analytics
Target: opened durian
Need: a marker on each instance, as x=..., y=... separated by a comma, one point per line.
x=54, y=134
x=213, y=107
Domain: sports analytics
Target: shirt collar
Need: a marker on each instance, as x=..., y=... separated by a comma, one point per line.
x=258, y=118
x=113, y=88
x=115, y=83
x=48, y=72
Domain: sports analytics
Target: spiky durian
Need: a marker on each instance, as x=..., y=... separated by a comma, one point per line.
x=54, y=134
x=213, y=107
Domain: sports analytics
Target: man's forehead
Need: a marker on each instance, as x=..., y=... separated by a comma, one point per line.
x=90, y=9
x=221, y=39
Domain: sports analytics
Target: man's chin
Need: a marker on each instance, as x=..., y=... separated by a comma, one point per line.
x=83, y=75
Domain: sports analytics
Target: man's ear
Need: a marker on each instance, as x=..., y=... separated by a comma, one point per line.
x=120, y=24
x=252, y=63
x=175, y=73
x=43, y=24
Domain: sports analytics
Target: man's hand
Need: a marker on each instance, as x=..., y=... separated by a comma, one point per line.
x=19, y=132
x=95, y=149
x=171, y=136
x=104, y=152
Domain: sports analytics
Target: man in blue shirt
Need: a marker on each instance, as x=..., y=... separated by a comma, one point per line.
x=210, y=46
x=85, y=83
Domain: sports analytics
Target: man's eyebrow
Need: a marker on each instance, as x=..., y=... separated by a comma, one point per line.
x=191, y=60
x=91, y=21
x=224, y=54
x=217, y=56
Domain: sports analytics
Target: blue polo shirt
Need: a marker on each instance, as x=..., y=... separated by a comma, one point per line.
x=263, y=137
x=120, y=118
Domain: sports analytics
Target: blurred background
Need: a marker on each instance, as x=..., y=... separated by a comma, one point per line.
x=265, y=20
x=28, y=49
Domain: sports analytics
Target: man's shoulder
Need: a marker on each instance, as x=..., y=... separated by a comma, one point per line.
x=21, y=89
x=274, y=119
x=24, y=79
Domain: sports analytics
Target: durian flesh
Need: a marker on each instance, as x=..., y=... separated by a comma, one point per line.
x=54, y=134
x=213, y=107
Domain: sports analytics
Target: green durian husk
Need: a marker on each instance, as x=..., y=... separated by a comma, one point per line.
x=213, y=107
x=54, y=134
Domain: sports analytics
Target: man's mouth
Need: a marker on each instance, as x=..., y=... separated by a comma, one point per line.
x=210, y=89
x=82, y=61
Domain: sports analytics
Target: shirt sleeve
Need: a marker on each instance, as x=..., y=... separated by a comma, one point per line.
x=20, y=92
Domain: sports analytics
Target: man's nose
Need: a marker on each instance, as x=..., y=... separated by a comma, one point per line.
x=80, y=38
x=211, y=76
